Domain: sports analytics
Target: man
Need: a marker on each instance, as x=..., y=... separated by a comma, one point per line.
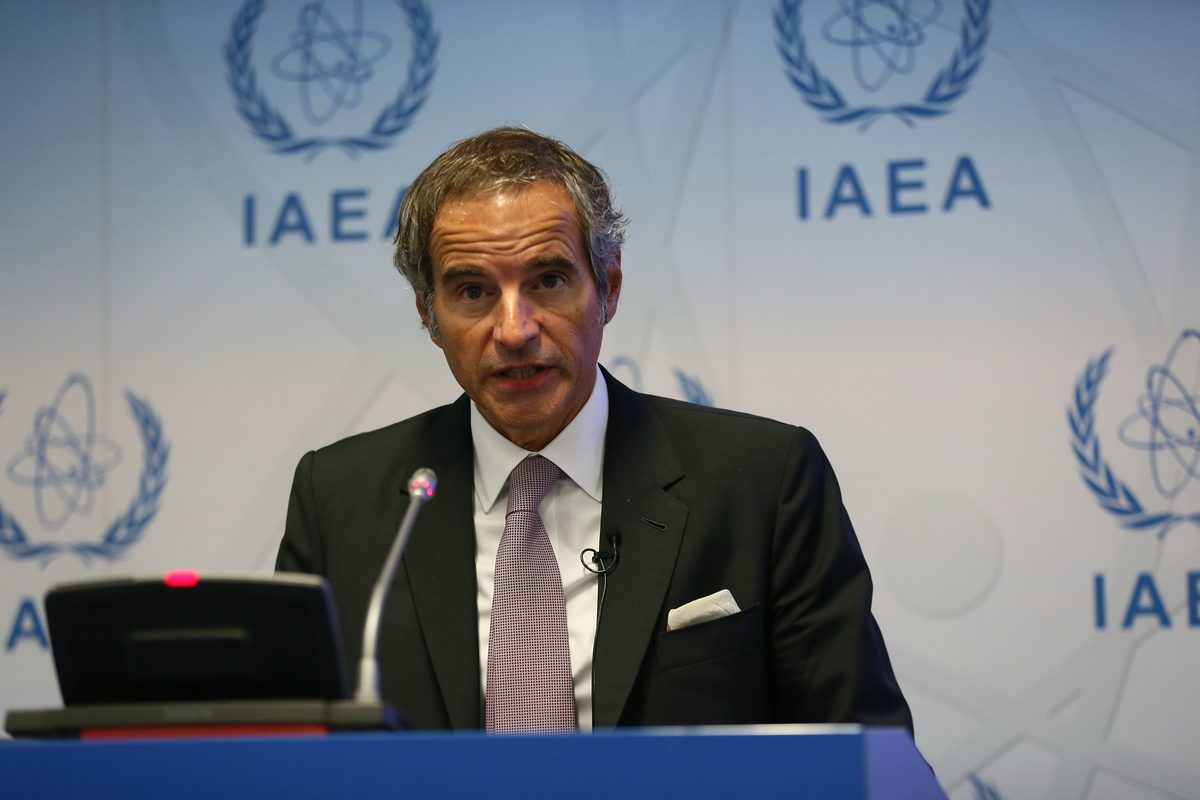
x=512, y=246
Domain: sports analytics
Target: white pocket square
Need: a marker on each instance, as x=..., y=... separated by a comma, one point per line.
x=716, y=605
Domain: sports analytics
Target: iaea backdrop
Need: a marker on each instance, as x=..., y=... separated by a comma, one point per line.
x=955, y=239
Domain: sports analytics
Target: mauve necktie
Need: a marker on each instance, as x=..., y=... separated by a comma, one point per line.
x=529, y=685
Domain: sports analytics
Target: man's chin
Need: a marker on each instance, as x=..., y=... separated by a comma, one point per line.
x=516, y=421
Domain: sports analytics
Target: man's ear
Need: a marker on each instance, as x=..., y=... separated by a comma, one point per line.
x=614, y=288
x=425, y=321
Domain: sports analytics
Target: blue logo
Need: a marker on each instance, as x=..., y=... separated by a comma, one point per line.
x=690, y=387
x=1165, y=426
x=882, y=39
x=328, y=61
x=65, y=461
x=982, y=790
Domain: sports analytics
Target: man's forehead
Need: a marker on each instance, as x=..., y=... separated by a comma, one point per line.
x=506, y=195
x=537, y=216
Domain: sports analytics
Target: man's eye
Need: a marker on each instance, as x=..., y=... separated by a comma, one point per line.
x=551, y=280
x=471, y=292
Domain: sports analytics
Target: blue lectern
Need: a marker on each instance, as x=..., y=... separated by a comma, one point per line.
x=796, y=762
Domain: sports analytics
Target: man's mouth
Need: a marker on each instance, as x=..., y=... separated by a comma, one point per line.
x=520, y=372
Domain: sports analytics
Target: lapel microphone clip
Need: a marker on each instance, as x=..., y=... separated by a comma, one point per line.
x=605, y=561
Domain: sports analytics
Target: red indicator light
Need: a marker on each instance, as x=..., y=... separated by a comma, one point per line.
x=181, y=578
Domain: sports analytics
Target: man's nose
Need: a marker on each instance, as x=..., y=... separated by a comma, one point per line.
x=516, y=324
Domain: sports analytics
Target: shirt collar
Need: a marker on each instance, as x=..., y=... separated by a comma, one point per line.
x=578, y=450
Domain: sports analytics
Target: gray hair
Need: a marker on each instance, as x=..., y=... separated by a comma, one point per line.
x=492, y=161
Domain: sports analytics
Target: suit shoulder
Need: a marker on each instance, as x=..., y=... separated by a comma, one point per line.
x=708, y=433
x=740, y=423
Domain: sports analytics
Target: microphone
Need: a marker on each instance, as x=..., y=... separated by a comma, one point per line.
x=421, y=487
x=605, y=560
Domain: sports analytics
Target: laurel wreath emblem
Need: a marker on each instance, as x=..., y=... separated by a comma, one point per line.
x=983, y=789
x=126, y=529
x=273, y=128
x=693, y=390
x=1113, y=495
x=822, y=95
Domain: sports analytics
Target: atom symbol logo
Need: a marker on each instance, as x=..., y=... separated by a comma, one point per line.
x=331, y=63
x=883, y=36
x=1167, y=422
x=1166, y=425
x=884, y=32
x=65, y=460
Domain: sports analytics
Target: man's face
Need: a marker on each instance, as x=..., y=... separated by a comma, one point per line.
x=516, y=304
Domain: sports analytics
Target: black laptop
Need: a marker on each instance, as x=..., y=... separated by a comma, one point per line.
x=183, y=654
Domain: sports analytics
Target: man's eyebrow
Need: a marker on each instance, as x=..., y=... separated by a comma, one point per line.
x=549, y=261
x=451, y=274
x=466, y=272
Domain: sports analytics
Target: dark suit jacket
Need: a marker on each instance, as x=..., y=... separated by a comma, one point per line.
x=703, y=500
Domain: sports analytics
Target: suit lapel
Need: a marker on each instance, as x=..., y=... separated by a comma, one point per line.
x=440, y=561
x=639, y=463
x=440, y=565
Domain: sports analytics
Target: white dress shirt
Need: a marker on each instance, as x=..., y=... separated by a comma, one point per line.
x=571, y=513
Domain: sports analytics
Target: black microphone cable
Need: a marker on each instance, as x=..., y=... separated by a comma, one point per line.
x=606, y=562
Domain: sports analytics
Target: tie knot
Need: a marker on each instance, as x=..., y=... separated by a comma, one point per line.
x=529, y=482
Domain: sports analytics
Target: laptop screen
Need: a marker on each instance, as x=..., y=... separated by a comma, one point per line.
x=186, y=637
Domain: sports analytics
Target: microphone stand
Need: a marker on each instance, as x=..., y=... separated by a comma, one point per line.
x=421, y=487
